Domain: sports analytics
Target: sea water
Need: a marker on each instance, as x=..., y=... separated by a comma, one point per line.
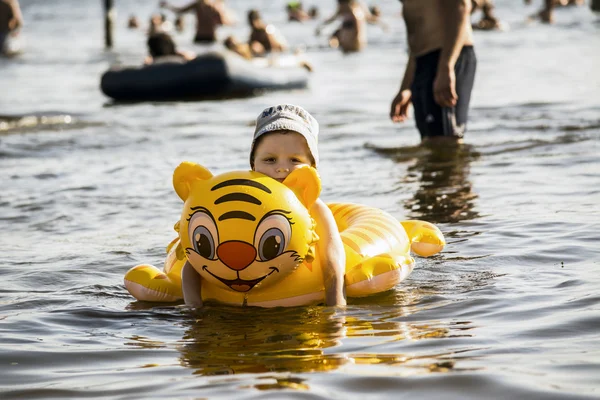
x=510, y=308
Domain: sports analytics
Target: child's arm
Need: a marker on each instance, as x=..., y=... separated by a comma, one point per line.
x=191, y=284
x=331, y=254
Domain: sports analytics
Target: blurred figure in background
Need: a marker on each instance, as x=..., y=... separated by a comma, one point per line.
x=440, y=72
x=180, y=23
x=264, y=59
x=155, y=24
x=313, y=12
x=375, y=18
x=165, y=24
x=162, y=49
x=488, y=20
x=227, y=15
x=295, y=12
x=243, y=49
x=11, y=22
x=564, y=3
x=351, y=36
x=209, y=16
x=263, y=37
x=133, y=22
x=375, y=11
x=546, y=14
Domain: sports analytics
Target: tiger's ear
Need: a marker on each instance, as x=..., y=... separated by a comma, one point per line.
x=185, y=174
x=306, y=184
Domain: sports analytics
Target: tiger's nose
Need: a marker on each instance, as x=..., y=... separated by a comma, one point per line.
x=236, y=254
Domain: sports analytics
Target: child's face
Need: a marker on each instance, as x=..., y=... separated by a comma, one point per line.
x=278, y=154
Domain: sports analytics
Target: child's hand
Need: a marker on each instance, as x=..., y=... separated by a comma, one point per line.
x=190, y=285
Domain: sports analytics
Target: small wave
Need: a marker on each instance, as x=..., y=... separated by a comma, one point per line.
x=89, y=188
x=528, y=144
x=9, y=122
x=541, y=127
x=542, y=105
x=582, y=127
x=41, y=121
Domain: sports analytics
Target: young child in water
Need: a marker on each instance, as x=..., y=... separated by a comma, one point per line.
x=285, y=139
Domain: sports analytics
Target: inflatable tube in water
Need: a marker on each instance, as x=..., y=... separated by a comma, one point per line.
x=252, y=240
x=214, y=74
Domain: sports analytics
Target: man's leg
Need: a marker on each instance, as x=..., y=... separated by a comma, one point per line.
x=464, y=69
x=434, y=122
x=429, y=115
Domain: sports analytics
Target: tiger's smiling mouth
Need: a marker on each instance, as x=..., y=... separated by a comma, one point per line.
x=240, y=285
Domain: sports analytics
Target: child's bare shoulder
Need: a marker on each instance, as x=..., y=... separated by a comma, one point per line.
x=319, y=208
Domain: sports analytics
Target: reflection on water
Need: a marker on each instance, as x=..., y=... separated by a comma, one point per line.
x=281, y=382
x=226, y=340
x=444, y=193
x=221, y=341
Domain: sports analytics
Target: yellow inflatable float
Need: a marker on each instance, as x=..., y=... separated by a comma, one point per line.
x=252, y=241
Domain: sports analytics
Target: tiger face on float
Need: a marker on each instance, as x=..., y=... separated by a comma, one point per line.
x=245, y=230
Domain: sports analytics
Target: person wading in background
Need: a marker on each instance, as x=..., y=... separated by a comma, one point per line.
x=440, y=72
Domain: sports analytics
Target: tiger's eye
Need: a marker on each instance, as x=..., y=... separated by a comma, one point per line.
x=271, y=244
x=204, y=243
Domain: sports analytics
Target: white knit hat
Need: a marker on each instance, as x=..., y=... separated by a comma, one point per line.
x=288, y=117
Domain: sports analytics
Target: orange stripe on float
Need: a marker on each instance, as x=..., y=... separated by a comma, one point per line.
x=351, y=243
x=367, y=238
x=365, y=243
x=341, y=208
x=388, y=227
x=375, y=215
x=335, y=207
x=360, y=208
x=360, y=214
x=373, y=231
x=376, y=230
x=348, y=210
x=377, y=224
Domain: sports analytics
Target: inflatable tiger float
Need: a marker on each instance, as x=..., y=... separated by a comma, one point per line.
x=252, y=241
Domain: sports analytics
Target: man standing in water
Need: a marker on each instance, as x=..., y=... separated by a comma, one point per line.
x=440, y=72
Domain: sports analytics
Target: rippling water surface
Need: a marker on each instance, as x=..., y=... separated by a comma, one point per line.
x=510, y=309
